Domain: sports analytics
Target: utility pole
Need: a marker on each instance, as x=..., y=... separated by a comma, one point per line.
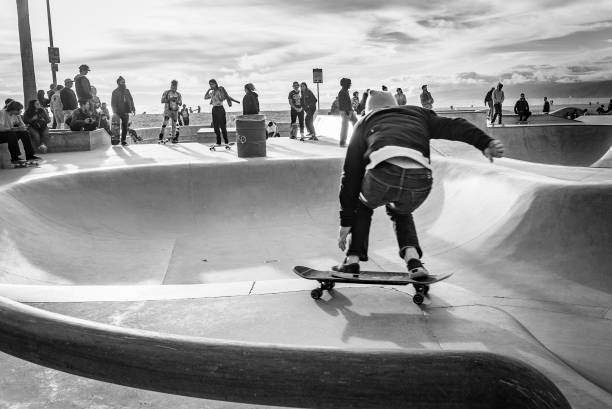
x=53, y=64
x=27, y=58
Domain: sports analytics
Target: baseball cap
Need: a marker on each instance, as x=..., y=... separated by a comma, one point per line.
x=67, y=80
x=84, y=67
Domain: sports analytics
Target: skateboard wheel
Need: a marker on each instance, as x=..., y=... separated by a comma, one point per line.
x=212, y=149
x=418, y=299
x=316, y=293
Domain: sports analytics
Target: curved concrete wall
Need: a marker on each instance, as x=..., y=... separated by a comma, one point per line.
x=273, y=374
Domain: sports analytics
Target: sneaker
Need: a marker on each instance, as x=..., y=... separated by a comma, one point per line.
x=17, y=160
x=302, y=139
x=42, y=148
x=124, y=143
x=292, y=137
x=313, y=138
x=416, y=269
x=351, y=269
x=34, y=157
x=175, y=139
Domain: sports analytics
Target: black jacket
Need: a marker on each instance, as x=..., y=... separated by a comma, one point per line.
x=406, y=126
x=69, y=99
x=122, y=101
x=250, y=103
x=344, y=101
x=40, y=122
x=83, y=88
x=521, y=106
x=78, y=123
x=309, y=102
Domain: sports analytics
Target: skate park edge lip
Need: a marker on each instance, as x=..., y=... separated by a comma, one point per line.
x=243, y=372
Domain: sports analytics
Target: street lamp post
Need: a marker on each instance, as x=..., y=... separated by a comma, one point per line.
x=27, y=57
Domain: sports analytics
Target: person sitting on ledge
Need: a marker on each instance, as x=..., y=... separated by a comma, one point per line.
x=12, y=130
x=37, y=119
x=82, y=119
x=388, y=163
x=521, y=108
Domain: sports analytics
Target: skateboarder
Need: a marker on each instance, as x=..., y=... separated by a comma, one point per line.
x=172, y=101
x=387, y=163
x=123, y=105
x=217, y=95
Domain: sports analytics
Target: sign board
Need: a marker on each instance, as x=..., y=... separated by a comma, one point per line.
x=54, y=57
x=317, y=75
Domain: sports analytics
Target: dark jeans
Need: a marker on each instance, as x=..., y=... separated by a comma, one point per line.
x=219, y=123
x=12, y=138
x=125, y=120
x=490, y=113
x=524, y=115
x=39, y=136
x=401, y=191
x=498, y=111
x=309, y=123
x=300, y=116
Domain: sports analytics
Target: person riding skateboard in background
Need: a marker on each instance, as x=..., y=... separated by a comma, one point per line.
x=172, y=101
x=388, y=163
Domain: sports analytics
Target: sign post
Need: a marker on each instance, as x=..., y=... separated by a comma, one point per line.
x=317, y=78
x=54, y=57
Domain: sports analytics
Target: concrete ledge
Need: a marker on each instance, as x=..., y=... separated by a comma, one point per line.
x=69, y=141
x=267, y=374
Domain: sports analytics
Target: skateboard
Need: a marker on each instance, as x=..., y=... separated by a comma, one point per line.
x=327, y=279
x=167, y=140
x=227, y=146
x=115, y=130
x=27, y=164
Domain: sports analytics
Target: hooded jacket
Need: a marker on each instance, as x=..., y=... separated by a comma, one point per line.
x=406, y=126
x=83, y=88
x=68, y=99
x=521, y=106
x=122, y=101
x=250, y=103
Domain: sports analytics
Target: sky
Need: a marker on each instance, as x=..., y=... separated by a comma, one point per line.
x=459, y=48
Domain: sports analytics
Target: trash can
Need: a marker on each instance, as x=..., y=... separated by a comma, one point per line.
x=251, y=136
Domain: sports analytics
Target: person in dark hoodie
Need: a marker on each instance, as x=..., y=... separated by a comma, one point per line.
x=82, y=85
x=521, y=108
x=346, y=109
x=82, y=119
x=488, y=101
x=309, y=102
x=122, y=105
x=388, y=163
x=250, y=101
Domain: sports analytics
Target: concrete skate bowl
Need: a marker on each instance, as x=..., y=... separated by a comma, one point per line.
x=503, y=232
x=568, y=144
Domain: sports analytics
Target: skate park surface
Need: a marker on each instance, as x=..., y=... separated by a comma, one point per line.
x=181, y=240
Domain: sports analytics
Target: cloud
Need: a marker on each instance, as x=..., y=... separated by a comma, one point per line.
x=450, y=22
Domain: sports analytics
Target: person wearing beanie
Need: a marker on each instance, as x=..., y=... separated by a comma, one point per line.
x=388, y=163
x=122, y=105
x=346, y=109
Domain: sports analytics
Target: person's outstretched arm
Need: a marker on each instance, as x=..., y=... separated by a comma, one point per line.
x=458, y=129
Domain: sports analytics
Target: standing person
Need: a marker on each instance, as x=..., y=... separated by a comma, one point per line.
x=57, y=109
x=13, y=130
x=122, y=105
x=498, y=99
x=546, y=107
x=82, y=85
x=217, y=96
x=250, y=101
x=488, y=101
x=521, y=108
x=297, y=112
x=426, y=98
x=172, y=100
x=362, y=103
x=68, y=99
x=346, y=109
x=37, y=119
x=400, y=97
x=388, y=163
x=355, y=102
x=309, y=102
x=50, y=92
x=95, y=100
x=185, y=115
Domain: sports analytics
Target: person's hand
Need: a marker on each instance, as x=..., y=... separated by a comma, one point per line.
x=495, y=149
x=342, y=236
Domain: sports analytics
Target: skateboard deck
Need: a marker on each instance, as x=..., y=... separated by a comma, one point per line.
x=328, y=278
x=227, y=146
x=115, y=130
